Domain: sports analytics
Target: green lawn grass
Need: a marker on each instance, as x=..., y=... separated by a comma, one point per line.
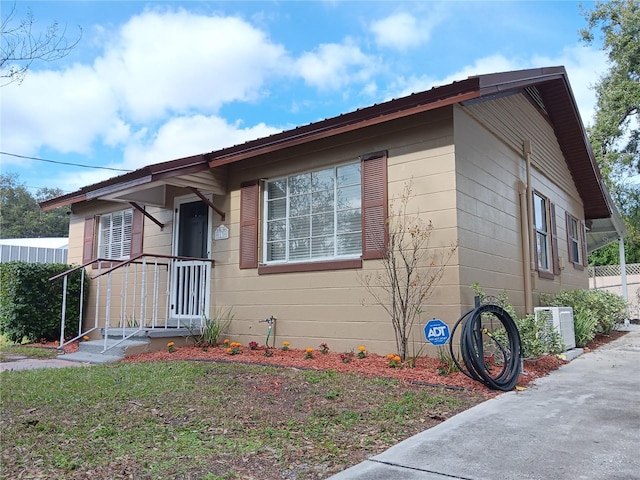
x=9, y=352
x=192, y=420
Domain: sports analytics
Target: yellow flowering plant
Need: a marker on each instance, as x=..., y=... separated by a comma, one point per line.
x=362, y=352
x=285, y=346
x=171, y=347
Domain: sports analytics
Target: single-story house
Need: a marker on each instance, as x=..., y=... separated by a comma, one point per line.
x=286, y=225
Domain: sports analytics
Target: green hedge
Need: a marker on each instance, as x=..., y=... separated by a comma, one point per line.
x=594, y=311
x=31, y=305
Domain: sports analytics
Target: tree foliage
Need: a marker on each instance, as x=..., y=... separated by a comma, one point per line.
x=615, y=133
x=21, y=44
x=21, y=216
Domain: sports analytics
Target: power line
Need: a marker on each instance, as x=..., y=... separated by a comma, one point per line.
x=65, y=163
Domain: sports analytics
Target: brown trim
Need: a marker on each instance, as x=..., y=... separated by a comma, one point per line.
x=137, y=233
x=203, y=197
x=291, y=139
x=580, y=240
x=555, y=259
x=375, y=205
x=147, y=214
x=310, y=266
x=546, y=274
x=88, y=245
x=249, y=210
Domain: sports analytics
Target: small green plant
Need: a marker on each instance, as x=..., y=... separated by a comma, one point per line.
x=324, y=348
x=268, y=352
x=234, y=348
x=346, y=357
x=362, y=352
x=308, y=353
x=447, y=365
x=537, y=336
x=214, y=327
x=285, y=346
x=584, y=326
x=253, y=345
x=394, y=361
x=171, y=347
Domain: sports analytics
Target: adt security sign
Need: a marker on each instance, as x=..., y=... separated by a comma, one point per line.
x=437, y=332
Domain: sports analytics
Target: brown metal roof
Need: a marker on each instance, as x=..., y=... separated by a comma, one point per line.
x=551, y=83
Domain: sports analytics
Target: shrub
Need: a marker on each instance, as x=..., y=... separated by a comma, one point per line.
x=31, y=305
x=584, y=326
x=536, y=336
x=214, y=327
x=604, y=308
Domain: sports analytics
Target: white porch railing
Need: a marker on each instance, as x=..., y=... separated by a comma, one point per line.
x=143, y=293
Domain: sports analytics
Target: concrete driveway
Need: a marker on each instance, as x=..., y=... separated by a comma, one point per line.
x=580, y=422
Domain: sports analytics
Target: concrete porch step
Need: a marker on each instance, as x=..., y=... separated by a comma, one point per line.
x=118, y=348
x=94, y=358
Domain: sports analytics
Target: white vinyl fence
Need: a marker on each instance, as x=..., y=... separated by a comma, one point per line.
x=609, y=278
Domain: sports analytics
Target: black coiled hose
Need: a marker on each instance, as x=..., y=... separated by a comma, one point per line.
x=472, y=349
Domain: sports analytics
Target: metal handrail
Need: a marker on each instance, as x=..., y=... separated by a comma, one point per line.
x=135, y=260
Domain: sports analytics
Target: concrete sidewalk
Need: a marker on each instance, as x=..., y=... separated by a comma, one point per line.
x=580, y=422
x=24, y=363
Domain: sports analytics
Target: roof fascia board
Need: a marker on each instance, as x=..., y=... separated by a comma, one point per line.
x=328, y=131
x=118, y=187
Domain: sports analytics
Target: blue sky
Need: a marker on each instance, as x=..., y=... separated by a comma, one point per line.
x=155, y=81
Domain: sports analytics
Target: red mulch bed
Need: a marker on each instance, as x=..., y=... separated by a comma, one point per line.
x=424, y=373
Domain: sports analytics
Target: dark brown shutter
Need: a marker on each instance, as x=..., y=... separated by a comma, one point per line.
x=375, y=234
x=583, y=243
x=137, y=232
x=249, y=206
x=87, y=246
x=570, y=253
x=555, y=260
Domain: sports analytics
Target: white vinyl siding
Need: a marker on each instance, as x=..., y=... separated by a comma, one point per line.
x=115, y=235
x=314, y=215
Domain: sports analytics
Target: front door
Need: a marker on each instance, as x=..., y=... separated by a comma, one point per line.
x=190, y=279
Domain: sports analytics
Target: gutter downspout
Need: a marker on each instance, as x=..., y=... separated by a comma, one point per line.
x=526, y=215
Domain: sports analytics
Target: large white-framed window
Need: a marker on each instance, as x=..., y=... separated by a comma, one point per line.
x=573, y=235
x=542, y=232
x=313, y=216
x=114, y=235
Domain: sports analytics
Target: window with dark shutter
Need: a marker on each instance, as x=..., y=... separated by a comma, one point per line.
x=249, y=206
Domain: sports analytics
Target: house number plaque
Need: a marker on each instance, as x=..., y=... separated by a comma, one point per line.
x=221, y=233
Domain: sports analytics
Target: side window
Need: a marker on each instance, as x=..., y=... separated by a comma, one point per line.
x=114, y=235
x=542, y=234
x=544, y=229
x=117, y=236
x=576, y=242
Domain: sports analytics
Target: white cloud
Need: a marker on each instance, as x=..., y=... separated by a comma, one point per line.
x=185, y=136
x=401, y=31
x=175, y=61
x=584, y=66
x=333, y=65
x=63, y=110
